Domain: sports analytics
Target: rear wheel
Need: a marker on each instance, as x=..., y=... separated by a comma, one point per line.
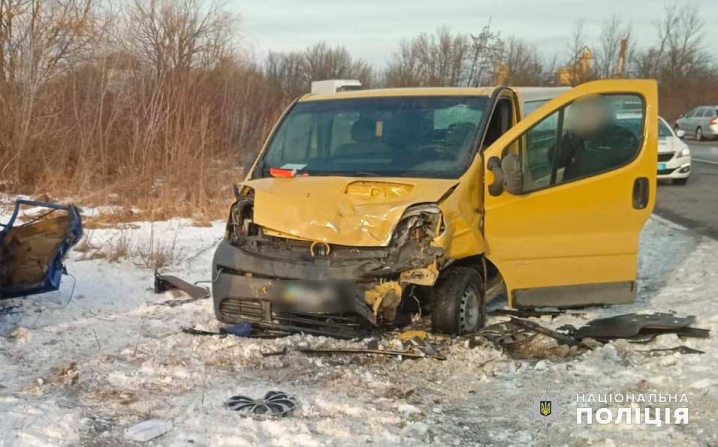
x=699, y=134
x=457, y=302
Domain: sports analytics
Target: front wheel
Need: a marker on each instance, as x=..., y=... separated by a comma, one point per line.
x=457, y=302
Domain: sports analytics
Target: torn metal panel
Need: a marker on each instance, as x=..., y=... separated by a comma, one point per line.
x=412, y=352
x=32, y=253
x=669, y=351
x=164, y=283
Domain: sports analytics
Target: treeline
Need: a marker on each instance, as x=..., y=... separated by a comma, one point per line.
x=157, y=103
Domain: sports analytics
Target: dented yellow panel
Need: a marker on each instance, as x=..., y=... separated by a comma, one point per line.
x=340, y=210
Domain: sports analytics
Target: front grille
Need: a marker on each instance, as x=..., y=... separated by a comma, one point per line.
x=666, y=157
x=345, y=326
x=244, y=309
x=666, y=171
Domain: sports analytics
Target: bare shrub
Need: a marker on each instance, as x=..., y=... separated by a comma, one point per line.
x=157, y=253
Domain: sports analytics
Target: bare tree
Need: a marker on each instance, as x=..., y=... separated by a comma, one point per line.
x=294, y=72
x=286, y=71
x=176, y=35
x=39, y=40
x=486, y=51
x=682, y=31
x=613, y=32
x=430, y=60
x=522, y=64
x=580, y=68
x=404, y=69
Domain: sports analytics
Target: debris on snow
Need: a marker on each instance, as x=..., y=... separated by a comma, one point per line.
x=148, y=430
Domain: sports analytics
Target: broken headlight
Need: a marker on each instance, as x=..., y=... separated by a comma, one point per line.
x=420, y=223
x=241, y=220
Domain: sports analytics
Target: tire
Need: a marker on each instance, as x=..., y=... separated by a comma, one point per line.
x=699, y=134
x=680, y=181
x=457, y=302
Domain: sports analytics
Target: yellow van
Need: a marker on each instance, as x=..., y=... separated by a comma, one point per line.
x=365, y=204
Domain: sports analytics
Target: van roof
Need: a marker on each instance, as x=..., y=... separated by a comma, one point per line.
x=530, y=94
x=398, y=92
x=526, y=94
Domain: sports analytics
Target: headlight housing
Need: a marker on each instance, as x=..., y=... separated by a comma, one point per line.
x=241, y=220
x=419, y=223
x=685, y=152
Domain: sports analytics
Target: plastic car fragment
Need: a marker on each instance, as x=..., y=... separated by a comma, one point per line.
x=274, y=403
x=639, y=327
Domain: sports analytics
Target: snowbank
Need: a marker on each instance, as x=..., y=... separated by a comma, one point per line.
x=81, y=371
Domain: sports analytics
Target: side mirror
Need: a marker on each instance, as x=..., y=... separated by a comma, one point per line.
x=513, y=176
x=494, y=165
x=680, y=133
x=507, y=175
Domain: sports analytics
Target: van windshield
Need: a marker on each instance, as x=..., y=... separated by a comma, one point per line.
x=431, y=136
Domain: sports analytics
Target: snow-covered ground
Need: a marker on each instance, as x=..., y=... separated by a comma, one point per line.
x=77, y=372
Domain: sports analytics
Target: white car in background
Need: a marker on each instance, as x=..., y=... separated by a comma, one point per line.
x=674, y=156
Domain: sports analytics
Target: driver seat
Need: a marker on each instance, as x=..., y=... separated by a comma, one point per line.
x=363, y=132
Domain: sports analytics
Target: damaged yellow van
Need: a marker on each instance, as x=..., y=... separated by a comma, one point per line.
x=364, y=204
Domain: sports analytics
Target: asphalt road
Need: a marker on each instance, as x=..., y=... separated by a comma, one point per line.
x=694, y=205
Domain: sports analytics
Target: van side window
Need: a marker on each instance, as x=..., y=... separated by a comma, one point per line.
x=501, y=121
x=593, y=135
x=530, y=106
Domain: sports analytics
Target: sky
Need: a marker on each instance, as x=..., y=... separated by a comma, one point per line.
x=372, y=29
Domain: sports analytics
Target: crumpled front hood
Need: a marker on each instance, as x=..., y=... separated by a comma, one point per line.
x=340, y=210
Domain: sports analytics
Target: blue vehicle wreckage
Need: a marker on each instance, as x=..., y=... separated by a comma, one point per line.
x=32, y=251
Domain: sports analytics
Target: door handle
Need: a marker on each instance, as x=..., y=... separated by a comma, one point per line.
x=641, y=193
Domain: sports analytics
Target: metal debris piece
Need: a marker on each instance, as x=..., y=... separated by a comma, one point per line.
x=639, y=327
x=193, y=331
x=274, y=403
x=527, y=313
x=253, y=334
x=561, y=338
x=678, y=349
x=164, y=283
x=507, y=334
x=412, y=353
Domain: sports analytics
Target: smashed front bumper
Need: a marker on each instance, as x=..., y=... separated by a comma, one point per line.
x=353, y=286
x=271, y=292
